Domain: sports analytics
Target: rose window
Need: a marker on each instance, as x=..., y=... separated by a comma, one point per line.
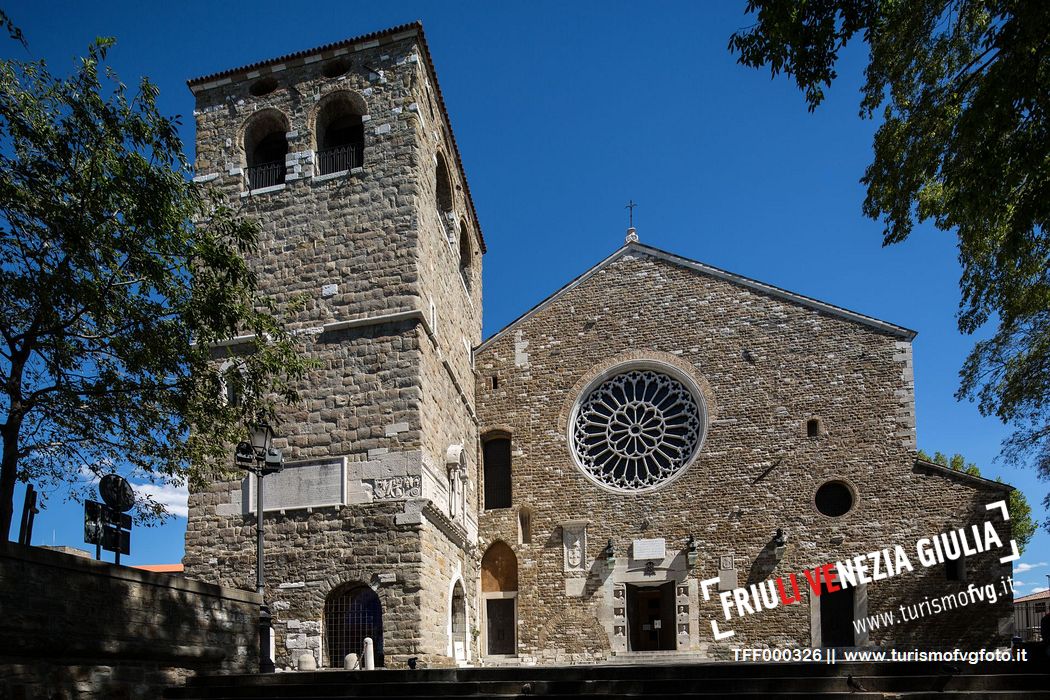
x=637, y=429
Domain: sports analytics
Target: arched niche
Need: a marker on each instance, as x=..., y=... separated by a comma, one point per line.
x=352, y=612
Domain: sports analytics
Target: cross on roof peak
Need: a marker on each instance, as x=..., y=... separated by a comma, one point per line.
x=632, y=234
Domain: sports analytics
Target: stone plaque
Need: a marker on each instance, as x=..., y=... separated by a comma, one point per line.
x=574, y=539
x=308, y=484
x=727, y=579
x=649, y=549
x=575, y=587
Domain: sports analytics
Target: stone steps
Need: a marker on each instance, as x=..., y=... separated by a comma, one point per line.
x=625, y=681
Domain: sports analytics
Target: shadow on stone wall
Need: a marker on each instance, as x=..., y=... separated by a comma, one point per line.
x=77, y=628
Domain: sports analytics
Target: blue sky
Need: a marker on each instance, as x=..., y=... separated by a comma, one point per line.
x=564, y=112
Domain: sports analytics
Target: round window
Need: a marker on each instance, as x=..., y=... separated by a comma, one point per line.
x=637, y=429
x=263, y=86
x=833, y=499
x=333, y=69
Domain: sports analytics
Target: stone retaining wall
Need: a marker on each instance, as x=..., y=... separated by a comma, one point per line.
x=79, y=628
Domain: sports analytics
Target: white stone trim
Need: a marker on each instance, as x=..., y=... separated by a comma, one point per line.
x=264, y=190
x=451, y=648
x=330, y=176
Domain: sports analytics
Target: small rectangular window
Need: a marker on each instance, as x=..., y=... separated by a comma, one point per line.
x=524, y=527
x=496, y=454
x=495, y=382
x=955, y=570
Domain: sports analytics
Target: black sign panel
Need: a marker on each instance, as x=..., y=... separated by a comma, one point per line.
x=107, y=527
x=93, y=522
x=116, y=540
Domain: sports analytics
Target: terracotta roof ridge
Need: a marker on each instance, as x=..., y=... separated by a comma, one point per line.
x=416, y=25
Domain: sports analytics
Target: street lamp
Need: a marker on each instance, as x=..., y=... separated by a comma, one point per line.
x=259, y=457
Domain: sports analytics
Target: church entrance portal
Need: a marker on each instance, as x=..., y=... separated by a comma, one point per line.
x=836, y=619
x=650, y=617
x=499, y=593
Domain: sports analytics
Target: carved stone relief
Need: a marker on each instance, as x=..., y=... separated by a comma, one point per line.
x=396, y=487
x=574, y=539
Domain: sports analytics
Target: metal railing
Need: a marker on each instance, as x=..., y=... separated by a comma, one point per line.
x=1030, y=634
x=265, y=175
x=338, y=158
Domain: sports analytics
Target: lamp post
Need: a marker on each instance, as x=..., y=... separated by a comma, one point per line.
x=260, y=458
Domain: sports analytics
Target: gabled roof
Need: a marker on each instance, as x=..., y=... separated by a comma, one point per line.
x=761, y=287
x=958, y=475
x=357, y=43
x=1041, y=595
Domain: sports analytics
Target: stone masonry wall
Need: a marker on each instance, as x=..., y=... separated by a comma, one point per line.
x=77, y=628
x=453, y=297
x=765, y=366
x=309, y=554
x=389, y=396
x=356, y=230
x=447, y=558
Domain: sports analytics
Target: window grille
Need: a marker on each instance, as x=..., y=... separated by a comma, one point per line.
x=266, y=175
x=350, y=615
x=338, y=159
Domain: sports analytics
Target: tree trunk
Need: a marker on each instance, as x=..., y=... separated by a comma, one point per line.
x=8, y=472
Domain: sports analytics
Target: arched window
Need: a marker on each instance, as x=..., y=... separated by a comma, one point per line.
x=445, y=202
x=458, y=622
x=499, y=590
x=351, y=613
x=496, y=455
x=266, y=148
x=524, y=525
x=465, y=254
x=232, y=378
x=340, y=133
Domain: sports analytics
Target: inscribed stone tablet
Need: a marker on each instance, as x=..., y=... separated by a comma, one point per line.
x=650, y=549
x=311, y=484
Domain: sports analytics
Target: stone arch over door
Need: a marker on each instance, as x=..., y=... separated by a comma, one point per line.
x=352, y=612
x=499, y=596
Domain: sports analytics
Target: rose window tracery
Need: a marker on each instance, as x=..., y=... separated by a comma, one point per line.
x=637, y=429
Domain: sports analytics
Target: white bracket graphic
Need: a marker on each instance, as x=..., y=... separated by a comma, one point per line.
x=706, y=586
x=1001, y=505
x=1013, y=557
x=719, y=636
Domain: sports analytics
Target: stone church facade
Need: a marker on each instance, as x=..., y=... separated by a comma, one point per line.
x=561, y=491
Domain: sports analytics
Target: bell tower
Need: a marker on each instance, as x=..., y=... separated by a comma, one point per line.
x=345, y=155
